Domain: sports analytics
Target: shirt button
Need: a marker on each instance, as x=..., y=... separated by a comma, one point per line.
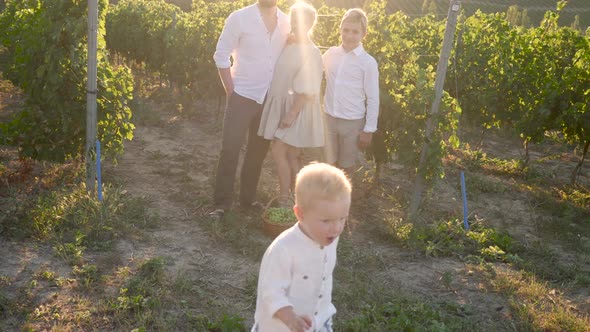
x=324, y=278
x=320, y=296
x=305, y=277
x=315, y=313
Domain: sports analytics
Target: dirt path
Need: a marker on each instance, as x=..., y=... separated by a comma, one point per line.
x=172, y=165
x=170, y=162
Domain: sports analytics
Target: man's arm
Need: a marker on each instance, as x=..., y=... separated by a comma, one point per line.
x=226, y=80
x=227, y=43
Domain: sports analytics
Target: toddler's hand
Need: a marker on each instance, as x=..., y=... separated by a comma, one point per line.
x=294, y=322
x=299, y=323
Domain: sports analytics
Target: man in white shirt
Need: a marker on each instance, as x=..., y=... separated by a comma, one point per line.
x=253, y=37
x=351, y=101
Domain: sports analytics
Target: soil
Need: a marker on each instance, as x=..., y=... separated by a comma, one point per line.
x=171, y=163
x=195, y=141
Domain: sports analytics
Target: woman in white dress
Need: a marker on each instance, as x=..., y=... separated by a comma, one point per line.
x=292, y=115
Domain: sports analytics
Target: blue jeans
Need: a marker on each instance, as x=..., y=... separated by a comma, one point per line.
x=242, y=117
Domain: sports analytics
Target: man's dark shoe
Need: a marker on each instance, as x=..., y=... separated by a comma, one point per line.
x=253, y=206
x=216, y=214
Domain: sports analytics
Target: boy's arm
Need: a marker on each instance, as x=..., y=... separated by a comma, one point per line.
x=365, y=139
x=371, y=87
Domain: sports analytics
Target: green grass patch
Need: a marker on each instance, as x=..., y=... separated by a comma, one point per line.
x=75, y=221
x=23, y=185
x=449, y=238
x=477, y=184
x=407, y=315
x=547, y=264
x=477, y=160
x=538, y=306
x=57, y=208
x=15, y=307
x=139, y=299
x=567, y=215
x=367, y=300
x=226, y=323
x=483, y=244
x=151, y=301
x=241, y=228
x=6, y=305
x=144, y=113
x=568, y=205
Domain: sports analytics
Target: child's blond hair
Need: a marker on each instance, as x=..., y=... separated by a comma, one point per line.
x=356, y=15
x=319, y=181
x=305, y=11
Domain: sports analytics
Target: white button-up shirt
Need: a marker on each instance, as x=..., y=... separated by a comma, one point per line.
x=352, y=89
x=253, y=48
x=297, y=272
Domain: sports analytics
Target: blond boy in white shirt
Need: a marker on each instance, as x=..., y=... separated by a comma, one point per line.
x=351, y=102
x=295, y=280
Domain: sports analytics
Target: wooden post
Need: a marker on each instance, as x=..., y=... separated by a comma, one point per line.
x=441, y=71
x=91, y=93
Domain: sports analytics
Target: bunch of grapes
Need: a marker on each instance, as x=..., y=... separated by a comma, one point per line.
x=281, y=215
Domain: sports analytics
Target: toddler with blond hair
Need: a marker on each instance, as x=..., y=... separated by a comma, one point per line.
x=295, y=280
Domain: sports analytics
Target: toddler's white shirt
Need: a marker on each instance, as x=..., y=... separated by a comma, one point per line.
x=295, y=271
x=254, y=50
x=352, y=85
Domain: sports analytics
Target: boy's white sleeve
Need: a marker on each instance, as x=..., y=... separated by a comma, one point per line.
x=228, y=41
x=371, y=82
x=275, y=280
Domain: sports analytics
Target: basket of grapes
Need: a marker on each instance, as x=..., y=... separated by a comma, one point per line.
x=276, y=219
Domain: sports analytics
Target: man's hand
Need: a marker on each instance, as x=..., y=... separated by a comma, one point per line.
x=288, y=119
x=226, y=80
x=294, y=323
x=229, y=91
x=365, y=139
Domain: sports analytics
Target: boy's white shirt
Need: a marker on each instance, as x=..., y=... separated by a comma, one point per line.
x=352, y=85
x=295, y=271
x=253, y=49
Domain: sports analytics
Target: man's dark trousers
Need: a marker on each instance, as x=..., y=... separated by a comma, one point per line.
x=242, y=116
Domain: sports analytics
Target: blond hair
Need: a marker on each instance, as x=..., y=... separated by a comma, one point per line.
x=356, y=15
x=305, y=11
x=319, y=181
